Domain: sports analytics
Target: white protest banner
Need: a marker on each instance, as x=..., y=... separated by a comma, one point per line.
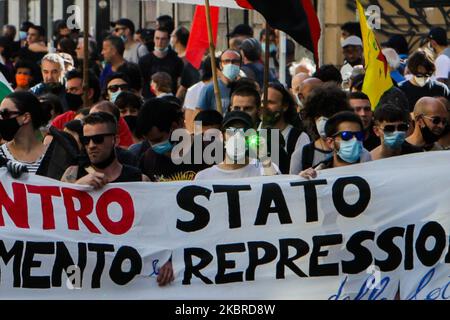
x=357, y=232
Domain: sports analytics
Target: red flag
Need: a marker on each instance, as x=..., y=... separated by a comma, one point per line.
x=198, y=39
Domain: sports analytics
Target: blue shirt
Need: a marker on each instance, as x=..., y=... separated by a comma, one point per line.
x=207, y=99
x=105, y=73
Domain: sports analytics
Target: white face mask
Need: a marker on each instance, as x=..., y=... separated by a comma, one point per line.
x=236, y=148
x=320, y=125
x=421, y=81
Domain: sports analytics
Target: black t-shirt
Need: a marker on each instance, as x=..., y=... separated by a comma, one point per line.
x=190, y=75
x=126, y=157
x=150, y=64
x=408, y=148
x=431, y=89
x=129, y=174
x=372, y=141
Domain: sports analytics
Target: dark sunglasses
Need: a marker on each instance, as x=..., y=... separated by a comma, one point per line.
x=390, y=128
x=6, y=114
x=437, y=120
x=97, y=139
x=116, y=87
x=348, y=135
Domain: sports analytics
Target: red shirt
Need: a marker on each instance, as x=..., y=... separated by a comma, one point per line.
x=125, y=137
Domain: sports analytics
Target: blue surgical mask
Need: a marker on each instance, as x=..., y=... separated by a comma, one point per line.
x=163, y=147
x=395, y=139
x=272, y=49
x=162, y=50
x=231, y=71
x=115, y=95
x=22, y=35
x=350, y=151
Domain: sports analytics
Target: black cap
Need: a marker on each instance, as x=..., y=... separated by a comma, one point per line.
x=439, y=35
x=242, y=30
x=398, y=43
x=237, y=116
x=124, y=22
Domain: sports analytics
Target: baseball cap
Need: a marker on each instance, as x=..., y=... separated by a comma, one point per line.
x=439, y=35
x=351, y=41
x=241, y=116
x=124, y=22
x=242, y=30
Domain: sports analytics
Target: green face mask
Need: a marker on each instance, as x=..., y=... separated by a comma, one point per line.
x=271, y=118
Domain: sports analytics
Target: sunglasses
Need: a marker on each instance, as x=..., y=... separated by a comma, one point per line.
x=115, y=87
x=349, y=135
x=437, y=120
x=97, y=139
x=390, y=128
x=6, y=114
x=365, y=108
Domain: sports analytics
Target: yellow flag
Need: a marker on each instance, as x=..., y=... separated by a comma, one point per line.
x=378, y=74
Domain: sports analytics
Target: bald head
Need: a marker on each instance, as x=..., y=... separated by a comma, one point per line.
x=297, y=81
x=430, y=107
x=308, y=86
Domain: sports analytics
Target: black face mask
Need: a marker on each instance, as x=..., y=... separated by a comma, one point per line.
x=9, y=128
x=429, y=136
x=74, y=101
x=107, y=162
x=131, y=121
x=53, y=87
x=270, y=118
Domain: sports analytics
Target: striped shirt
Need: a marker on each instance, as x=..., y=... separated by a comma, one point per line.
x=31, y=166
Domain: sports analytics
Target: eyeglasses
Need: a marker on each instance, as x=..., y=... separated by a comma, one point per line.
x=437, y=120
x=361, y=108
x=390, y=128
x=233, y=61
x=6, y=114
x=97, y=139
x=116, y=87
x=349, y=135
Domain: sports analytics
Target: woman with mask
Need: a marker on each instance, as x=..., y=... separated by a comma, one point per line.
x=421, y=67
x=324, y=102
x=23, y=76
x=21, y=116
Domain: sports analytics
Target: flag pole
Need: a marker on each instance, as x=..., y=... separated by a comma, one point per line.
x=212, y=53
x=228, y=27
x=266, y=66
x=86, y=54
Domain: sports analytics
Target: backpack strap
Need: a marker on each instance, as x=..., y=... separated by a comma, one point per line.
x=308, y=156
x=292, y=140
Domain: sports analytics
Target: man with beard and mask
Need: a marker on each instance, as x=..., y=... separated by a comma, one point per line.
x=421, y=66
x=345, y=135
x=431, y=120
x=237, y=163
x=99, y=140
x=162, y=58
x=281, y=115
x=230, y=68
x=52, y=67
x=156, y=122
x=360, y=104
x=391, y=126
x=352, y=48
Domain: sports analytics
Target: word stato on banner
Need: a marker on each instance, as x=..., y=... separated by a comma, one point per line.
x=370, y=231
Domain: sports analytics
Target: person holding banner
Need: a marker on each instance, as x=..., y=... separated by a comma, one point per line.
x=238, y=142
x=391, y=126
x=99, y=139
x=345, y=136
x=431, y=119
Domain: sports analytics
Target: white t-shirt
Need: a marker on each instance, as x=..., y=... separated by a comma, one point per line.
x=135, y=52
x=253, y=169
x=442, y=64
x=192, y=96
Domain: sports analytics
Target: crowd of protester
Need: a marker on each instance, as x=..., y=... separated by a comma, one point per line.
x=142, y=89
